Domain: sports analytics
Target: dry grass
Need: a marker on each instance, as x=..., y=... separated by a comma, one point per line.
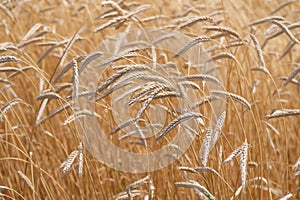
x=46, y=45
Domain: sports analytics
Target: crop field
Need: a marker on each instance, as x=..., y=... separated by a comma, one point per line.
x=161, y=99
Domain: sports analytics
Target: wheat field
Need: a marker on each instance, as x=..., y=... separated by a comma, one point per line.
x=242, y=111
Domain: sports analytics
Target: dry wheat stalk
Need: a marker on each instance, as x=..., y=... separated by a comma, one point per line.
x=191, y=44
x=287, y=49
x=233, y=96
x=52, y=114
x=283, y=113
x=180, y=119
x=23, y=69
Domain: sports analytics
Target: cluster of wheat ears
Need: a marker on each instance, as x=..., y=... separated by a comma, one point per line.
x=243, y=114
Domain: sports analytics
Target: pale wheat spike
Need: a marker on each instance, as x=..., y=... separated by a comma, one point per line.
x=48, y=95
x=4, y=59
x=266, y=19
x=287, y=31
x=151, y=188
x=120, y=73
x=218, y=129
x=195, y=20
x=197, y=186
x=190, y=84
x=294, y=81
x=234, y=154
x=80, y=159
x=296, y=165
x=88, y=60
x=32, y=31
x=26, y=179
x=8, y=106
x=261, y=69
x=7, y=12
x=287, y=49
x=258, y=49
x=75, y=81
x=221, y=56
x=115, y=6
x=188, y=169
x=243, y=164
x=23, y=69
x=286, y=197
x=293, y=74
x=201, y=77
x=206, y=147
x=283, y=113
x=282, y=5
x=233, y=96
x=174, y=123
x=80, y=114
x=66, y=165
x=191, y=44
x=68, y=66
x=121, y=126
x=137, y=183
x=222, y=29
x=30, y=41
x=204, y=100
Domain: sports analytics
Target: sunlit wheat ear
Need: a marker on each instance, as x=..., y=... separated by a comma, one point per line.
x=258, y=50
x=221, y=56
x=191, y=44
x=243, y=164
x=115, y=6
x=80, y=114
x=68, y=66
x=88, y=60
x=222, y=29
x=206, y=146
x=48, y=95
x=266, y=19
x=195, y=185
x=75, y=81
x=297, y=164
x=201, y=77
x=66, y=165
x=4, y=59
x=26, y=179
x=286, y=30
x=283, y=113
x=233, y=96
x=114, y=77
x=195, y=20
x=292, y=75
x=282, y=5
x=180, y=119
x=287, y=49
x=80, y=159
x=8, y=106
x=218, y=128
x=243, y=152
x=286, y=197
x=7, y=12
